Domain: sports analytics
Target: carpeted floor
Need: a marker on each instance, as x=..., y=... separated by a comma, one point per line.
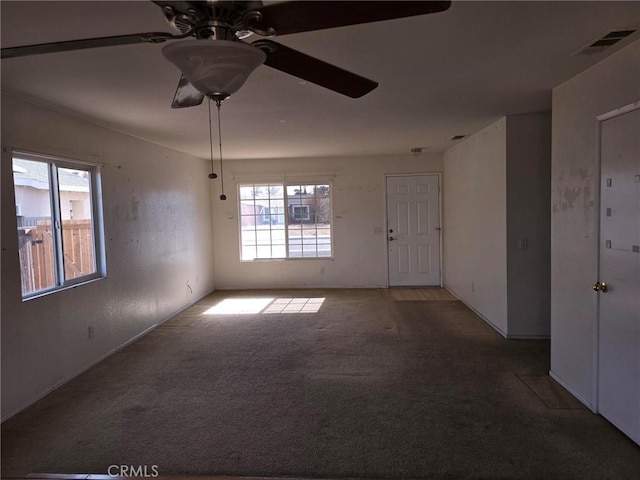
x=349, y=386
x=413, y=294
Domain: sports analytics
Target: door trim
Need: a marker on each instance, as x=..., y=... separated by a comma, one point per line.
x=386, y=218
x=600, y=119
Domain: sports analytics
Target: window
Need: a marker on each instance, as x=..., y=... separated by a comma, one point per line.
x=285, y=221
x=57, y=205
x=300, y=212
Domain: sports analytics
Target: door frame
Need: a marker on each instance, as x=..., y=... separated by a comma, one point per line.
x=600, y=119
x=438, y=175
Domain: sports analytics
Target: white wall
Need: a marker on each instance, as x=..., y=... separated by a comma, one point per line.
x=612, y=83
x=358, y=207
x=496, y=223
x=475, y=222
x=157, y=215
x=528, y=224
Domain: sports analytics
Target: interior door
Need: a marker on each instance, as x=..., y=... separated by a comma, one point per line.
x=413, y=230
x=619, y=283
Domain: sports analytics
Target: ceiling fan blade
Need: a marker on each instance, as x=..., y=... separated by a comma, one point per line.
x=152, y=37
x=316, y=71
x=306, y=16
x=186, y=95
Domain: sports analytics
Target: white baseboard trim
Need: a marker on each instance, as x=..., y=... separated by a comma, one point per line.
x=17, y=410
x=528, y=337
x=569, y=389
x=297, y=287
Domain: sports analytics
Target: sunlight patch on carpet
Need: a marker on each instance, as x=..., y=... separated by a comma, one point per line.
x=295, y=305
x=236, y=306
x=252, y=306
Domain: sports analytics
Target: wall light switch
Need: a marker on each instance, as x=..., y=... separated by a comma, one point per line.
x=523, y=244
x=377, y=230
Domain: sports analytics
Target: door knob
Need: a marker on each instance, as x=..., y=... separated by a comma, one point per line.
x=600, y=287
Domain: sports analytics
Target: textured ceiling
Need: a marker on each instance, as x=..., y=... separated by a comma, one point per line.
x=440, y=75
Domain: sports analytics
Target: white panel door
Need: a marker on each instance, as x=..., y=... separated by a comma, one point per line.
x=619, y=300
x=413, y=235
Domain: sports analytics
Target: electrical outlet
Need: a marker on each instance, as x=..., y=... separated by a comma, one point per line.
x=92, y=332
x=524, y=243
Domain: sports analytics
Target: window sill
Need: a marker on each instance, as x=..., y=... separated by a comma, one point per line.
x=54, y=290
x=265, y=260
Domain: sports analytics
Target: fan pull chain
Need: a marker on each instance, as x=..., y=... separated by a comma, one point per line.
x=222, y=195
x=212, y=175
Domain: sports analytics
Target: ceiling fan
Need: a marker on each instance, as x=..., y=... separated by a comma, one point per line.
x=217, y=60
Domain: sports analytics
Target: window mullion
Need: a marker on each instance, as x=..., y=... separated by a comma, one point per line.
x=56, y=222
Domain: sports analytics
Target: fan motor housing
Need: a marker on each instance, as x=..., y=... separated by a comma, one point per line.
x=207, y=17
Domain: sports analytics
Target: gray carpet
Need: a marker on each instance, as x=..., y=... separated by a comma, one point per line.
x=365, y=387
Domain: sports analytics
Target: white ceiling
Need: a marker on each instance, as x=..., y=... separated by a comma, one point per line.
x=440, y=75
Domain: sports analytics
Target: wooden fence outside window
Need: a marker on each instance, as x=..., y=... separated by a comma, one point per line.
x=36, y=252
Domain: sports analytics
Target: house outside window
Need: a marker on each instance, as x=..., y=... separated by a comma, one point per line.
x=57, y=212
x=285, y=221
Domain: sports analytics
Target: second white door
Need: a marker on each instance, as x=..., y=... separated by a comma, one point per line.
x=619, y=282
x=413, y=230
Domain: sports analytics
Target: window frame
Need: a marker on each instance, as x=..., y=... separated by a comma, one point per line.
x=53, y=164
x=284, y=184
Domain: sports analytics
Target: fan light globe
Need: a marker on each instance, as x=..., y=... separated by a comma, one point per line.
x=216, y=68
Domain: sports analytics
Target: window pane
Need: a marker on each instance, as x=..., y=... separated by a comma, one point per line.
x=292, y=192
x=264, y=251
x=248, y=236
x=276, y=206
x=263, y=236
x=35, y=236
x=277, y=234
x=77, y=225
x=262, y=221
x=248, y=252
x=261, y=192
x=309, y=251
x=310, y=211
x=276, y=192
x=246, y=192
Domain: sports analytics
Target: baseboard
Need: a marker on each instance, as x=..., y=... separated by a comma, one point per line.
x=17, y=410
x=528, y=337
x=297, y=287
x=568, y=388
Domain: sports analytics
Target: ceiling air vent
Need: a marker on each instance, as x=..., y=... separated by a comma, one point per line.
x=608, y=39
x=457, y=137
